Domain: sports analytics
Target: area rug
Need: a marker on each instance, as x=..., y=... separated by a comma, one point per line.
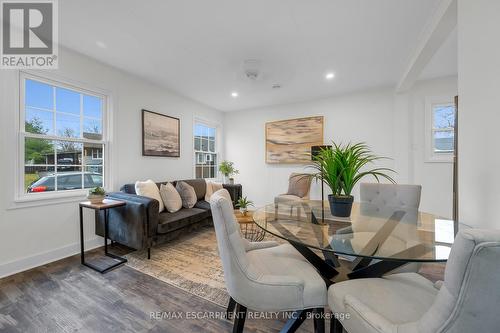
x=190, y=262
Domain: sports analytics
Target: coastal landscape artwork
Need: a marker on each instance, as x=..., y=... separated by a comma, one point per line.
x=289, y=141
x=160, y=135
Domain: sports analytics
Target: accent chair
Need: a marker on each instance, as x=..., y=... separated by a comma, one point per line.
x=467, y=300
x=265, y=276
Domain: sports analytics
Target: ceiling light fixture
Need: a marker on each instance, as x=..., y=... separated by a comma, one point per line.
x=234, y=94
x=329, y=76
x=102, y=45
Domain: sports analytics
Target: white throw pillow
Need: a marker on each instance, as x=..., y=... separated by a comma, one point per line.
x=212, y=187
x=150, y=190
x=170, y=197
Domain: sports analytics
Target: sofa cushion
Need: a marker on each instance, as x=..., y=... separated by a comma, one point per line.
x=187, y=193
x=149, y=189
x=199, y=185
x=299, y=184
x=202, y=204
x=184, y=217
x=170, y=197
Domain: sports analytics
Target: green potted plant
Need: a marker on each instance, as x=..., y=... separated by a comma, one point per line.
x=96, y=195
x=243, y=203
x=227, y=169
x=341, y=167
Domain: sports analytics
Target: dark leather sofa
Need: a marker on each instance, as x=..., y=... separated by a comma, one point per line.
x=139, y=225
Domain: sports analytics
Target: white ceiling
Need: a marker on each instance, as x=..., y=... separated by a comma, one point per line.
x=445, y=61
x=197, y=47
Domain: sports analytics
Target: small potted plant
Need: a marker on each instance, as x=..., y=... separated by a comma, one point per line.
x=243, y=203
x=227, y=169
x=96, y=195
x=341, y=167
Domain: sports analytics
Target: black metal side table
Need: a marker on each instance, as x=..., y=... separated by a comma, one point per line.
x=235, y=191
x=105, y=205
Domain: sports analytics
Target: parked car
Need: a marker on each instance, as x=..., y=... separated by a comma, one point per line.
x=66, y=181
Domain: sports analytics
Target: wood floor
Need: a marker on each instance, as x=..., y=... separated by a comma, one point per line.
x=65, y=296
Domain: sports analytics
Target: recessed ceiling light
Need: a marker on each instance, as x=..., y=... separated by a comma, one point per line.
x=234, y=94
x=329, y=76
x=102, y=45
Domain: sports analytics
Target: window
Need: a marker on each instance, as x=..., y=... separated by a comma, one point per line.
x=443, y=123
x=205, y=150
x=441, y=130
x=62, y=137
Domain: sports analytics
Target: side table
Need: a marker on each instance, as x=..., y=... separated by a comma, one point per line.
x=104, y=206
x=249, y=229
x=235, y=191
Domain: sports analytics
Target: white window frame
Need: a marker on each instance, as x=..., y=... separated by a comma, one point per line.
x=430, y=155
x=20, y=193
x=217, y=127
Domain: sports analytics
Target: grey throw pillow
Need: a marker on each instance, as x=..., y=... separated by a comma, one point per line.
x=187, y=193
x=299, y=184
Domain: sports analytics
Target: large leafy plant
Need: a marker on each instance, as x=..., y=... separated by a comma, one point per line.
x=227, y=168
x=343, y=165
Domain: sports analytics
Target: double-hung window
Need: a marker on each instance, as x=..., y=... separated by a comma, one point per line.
x=63, y=137
x=205, y=150
x=441, y=130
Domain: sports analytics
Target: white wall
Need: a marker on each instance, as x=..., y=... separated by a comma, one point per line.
x=393, y=125
x=479, y=116
x=30, y=236
x=436, y=178
x=365, y=117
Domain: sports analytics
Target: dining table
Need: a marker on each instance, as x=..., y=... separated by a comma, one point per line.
x=374, y=240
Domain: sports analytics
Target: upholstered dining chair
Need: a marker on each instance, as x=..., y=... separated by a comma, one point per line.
x=380, y=201
x=299, y=186
x=467, y=301
x=265, y=276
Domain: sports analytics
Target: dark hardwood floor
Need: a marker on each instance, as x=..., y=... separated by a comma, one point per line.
x=65, y=296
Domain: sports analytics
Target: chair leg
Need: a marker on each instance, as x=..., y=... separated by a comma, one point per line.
x=230, y=307
x=239, y=318
x=149, y=253
x=319, y=320
x=335, y=325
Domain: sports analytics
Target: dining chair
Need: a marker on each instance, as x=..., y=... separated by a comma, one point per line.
x=299, y=187
x=467, y=300
x=265, y=276
x=380, y=201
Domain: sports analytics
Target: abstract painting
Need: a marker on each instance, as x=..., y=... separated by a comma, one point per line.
x=290, y=141
x=160, y=135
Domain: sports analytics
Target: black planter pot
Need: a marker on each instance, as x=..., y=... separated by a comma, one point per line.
x=340, y=206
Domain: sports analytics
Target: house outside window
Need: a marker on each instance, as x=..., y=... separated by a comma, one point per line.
x=205, y=150
x=63, y=137
x=440, y=124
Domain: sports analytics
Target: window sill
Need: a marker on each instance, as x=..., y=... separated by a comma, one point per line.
x=45, y=199
x=439, y=159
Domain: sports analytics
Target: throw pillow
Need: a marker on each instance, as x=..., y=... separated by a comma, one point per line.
x=299, y=185
x=150, y=190
x=187, y=193
x=170, y=197
x=212, y=187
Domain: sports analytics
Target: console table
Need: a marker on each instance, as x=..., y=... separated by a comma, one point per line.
x=104, y=206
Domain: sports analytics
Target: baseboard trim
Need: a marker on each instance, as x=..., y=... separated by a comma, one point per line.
x=26, y=263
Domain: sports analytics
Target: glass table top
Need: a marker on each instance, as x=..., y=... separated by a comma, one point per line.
x=372, y=231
